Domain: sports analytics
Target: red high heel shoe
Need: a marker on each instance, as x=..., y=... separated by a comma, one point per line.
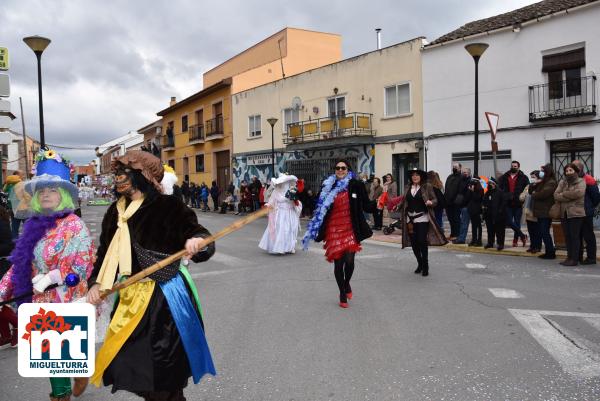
x=349, y=295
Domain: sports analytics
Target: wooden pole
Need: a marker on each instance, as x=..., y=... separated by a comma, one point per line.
x=176, y=256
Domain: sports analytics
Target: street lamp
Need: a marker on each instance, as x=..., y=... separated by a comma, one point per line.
x=38, y=44
x=272, y=122
x=476, y=50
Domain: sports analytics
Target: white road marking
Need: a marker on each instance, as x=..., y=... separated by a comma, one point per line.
x=505, y=293
x=463, y=255
x=474, y=266
x=229, y=260
x=571, y=353
x=575, y=275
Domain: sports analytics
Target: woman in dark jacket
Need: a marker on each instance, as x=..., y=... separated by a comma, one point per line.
x=542, y=194
x=474, y=209
x=419, y=228
x=214, y=194
x=434, y=179
x=339, y=220
x=494, y=212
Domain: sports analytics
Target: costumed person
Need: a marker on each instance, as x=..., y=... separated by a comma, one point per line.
x=284, y=216
x=55, y=247
x=155, y=340
x=419, y=227
x=339, y=219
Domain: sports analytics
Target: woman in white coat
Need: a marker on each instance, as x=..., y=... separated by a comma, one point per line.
x=284, y=217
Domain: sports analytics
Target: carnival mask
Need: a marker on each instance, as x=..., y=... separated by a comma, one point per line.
x=123, y=183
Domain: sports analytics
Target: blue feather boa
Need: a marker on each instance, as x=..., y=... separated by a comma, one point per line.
x=328, y=193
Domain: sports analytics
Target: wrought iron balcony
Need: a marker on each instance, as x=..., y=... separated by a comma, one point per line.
x=214, y=128
x=196, y=133
x=350, y=124
x=168, y=143
x=563, y=99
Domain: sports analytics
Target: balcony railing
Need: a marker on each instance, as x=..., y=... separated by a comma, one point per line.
x=350, y=124
x=168, y=143
x=214, y=128
x=196, y=133
x=563, y=99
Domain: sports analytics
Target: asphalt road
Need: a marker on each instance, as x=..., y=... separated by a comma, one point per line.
x=480, y=327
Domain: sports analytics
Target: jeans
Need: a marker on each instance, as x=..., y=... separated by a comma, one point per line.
x=572, y=230
x=256, y=205
x=439, y=219
x=464, y=224
x=513, y=221
x=544, y=229
x=453, y=214
x=587, y=235
x=15, y=224
x=535, y=235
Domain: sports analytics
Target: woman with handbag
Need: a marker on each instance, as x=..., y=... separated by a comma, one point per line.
x=375, y=194
x=418, y=221
x=570, y=195
x=542, y=196
x=339, y=219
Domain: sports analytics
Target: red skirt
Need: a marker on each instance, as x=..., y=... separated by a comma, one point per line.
x=339, y=235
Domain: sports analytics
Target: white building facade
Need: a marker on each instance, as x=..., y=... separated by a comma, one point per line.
x=538, y=74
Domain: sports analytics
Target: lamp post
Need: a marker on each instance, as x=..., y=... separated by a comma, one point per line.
x=272, y=122
x=476, y=50
x=38, y=44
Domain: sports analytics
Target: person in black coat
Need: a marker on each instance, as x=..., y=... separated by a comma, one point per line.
x=513, y=183
x=451, y=191
x=494, y=212
x=344, y=225
x=474, y=208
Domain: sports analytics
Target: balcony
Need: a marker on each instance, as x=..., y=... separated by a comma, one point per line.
x=196, y=134
x=348, y=125
x=214, y=128
x=563, y=99
x=168, y=143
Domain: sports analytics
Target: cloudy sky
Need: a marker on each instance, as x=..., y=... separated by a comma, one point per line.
x=113, y=64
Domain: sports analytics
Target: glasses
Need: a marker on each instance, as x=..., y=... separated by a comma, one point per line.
x=341, y=168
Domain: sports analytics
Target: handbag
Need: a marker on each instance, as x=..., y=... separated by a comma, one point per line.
x=554, y=212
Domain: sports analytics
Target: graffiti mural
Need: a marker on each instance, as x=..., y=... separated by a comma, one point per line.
x=362, y=155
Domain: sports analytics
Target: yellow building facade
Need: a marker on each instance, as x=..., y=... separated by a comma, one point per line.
x=197, y=132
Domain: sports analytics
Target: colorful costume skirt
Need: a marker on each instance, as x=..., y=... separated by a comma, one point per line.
x=155, y=340
x=339, y=234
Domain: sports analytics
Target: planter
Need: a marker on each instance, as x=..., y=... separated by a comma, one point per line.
x=559, y=235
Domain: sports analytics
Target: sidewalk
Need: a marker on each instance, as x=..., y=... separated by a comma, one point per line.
x=520, y=250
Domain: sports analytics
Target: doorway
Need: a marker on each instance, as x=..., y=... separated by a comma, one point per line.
x=564, y=152
x=401, y=166
x=222, y=160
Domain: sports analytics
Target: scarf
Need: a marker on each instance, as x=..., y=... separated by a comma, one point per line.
x=331, y=188
x=118, y=254
x=21, y=257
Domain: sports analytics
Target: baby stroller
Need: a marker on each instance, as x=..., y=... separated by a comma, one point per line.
x=395, y=215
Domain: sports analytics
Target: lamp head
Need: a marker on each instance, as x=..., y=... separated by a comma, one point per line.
x=37, y=43
x=476, y=49
x=272, y=121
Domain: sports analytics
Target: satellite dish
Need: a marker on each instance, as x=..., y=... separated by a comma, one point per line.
x=296, y=103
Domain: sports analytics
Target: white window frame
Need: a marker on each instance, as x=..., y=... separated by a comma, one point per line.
x=336, y=98
x=251, y=133
x=285, y=123
x=397, y=114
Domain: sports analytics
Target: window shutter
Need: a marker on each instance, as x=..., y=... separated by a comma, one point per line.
x=564, y=61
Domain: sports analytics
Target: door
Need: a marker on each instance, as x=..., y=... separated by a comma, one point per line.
x=186, y=168
x=564, y=152
x=402, y=164
x=223, y=169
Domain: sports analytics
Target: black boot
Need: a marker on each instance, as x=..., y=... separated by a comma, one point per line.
x=419, y=269
x=425, y=269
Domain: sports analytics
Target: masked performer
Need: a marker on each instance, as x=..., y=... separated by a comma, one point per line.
x=339, y=219
x=155, y=340
x=284, y=217
x=54, y=248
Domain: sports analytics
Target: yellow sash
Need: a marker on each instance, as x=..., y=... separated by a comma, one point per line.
x=133, y=301
x=119, y=250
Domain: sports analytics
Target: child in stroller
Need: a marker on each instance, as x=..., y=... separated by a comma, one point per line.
x=395, y=215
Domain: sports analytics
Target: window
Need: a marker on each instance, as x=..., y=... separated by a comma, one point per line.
x=486, y=161
x=564, y=73
x=337, y=106
x=184, y=123
x=397, y=100
x=171, y=164
x=199, y=163
x=290, y=116
x=254, y=126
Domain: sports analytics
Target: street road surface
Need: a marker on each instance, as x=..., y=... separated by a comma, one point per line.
x=480, y=327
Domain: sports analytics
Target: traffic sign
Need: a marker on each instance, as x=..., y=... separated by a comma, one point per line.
x=4, y=59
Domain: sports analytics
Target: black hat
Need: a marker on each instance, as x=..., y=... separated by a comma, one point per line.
x=422, y=173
